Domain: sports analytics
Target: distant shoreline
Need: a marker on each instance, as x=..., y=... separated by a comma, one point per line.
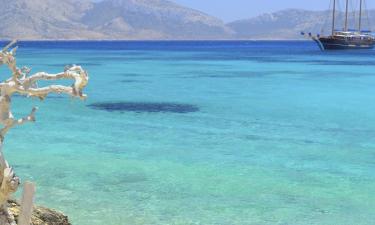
x=156, y=40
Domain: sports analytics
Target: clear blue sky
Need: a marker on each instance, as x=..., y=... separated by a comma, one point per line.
x=230, y=10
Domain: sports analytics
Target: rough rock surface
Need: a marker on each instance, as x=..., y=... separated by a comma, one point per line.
x=41, y=215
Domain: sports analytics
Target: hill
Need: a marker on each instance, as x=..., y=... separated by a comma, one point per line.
x=287, y=24
x=148, y=20
x=109, y=19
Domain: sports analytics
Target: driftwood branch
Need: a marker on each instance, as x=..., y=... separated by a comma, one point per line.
x=9, y=183
x=22, y=83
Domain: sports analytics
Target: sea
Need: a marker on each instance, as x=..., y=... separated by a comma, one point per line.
x=201, y=133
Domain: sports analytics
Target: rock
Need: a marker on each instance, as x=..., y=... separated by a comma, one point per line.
x=41, y=215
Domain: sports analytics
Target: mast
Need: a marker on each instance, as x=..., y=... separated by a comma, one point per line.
x=333, y=17
x=346, y=15
x=360, y=15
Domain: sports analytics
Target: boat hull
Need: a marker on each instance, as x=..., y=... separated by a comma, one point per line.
x=329, y=43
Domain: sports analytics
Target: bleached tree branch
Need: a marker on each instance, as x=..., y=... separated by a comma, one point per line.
x=76, y=73
x=21, y=83
x=11, y=122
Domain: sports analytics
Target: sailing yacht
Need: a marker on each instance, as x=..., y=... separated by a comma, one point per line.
x=346, y=38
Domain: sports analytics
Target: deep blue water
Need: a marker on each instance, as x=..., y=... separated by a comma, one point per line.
x=213, y=133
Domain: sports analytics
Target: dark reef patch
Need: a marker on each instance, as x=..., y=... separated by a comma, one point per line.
x=144, y=107
x=133, y=81
x=289, y=140
x=130, y=74
x=343, y=63
x=237, y=74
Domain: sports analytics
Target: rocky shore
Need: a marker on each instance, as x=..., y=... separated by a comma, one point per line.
x=41, y=215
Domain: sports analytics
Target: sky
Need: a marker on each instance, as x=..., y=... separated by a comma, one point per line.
x=230, y=10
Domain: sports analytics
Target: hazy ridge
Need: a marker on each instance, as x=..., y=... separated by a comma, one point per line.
x=288, y=24
x=144, y=20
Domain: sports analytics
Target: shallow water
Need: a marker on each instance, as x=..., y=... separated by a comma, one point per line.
x=212, y=133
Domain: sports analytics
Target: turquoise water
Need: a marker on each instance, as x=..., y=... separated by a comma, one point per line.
x=208, y=133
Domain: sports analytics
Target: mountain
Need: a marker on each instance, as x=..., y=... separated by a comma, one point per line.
x=44, y=19
x=147, y=20
x=287, y=24
x=153, y=19
x=108, y=19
